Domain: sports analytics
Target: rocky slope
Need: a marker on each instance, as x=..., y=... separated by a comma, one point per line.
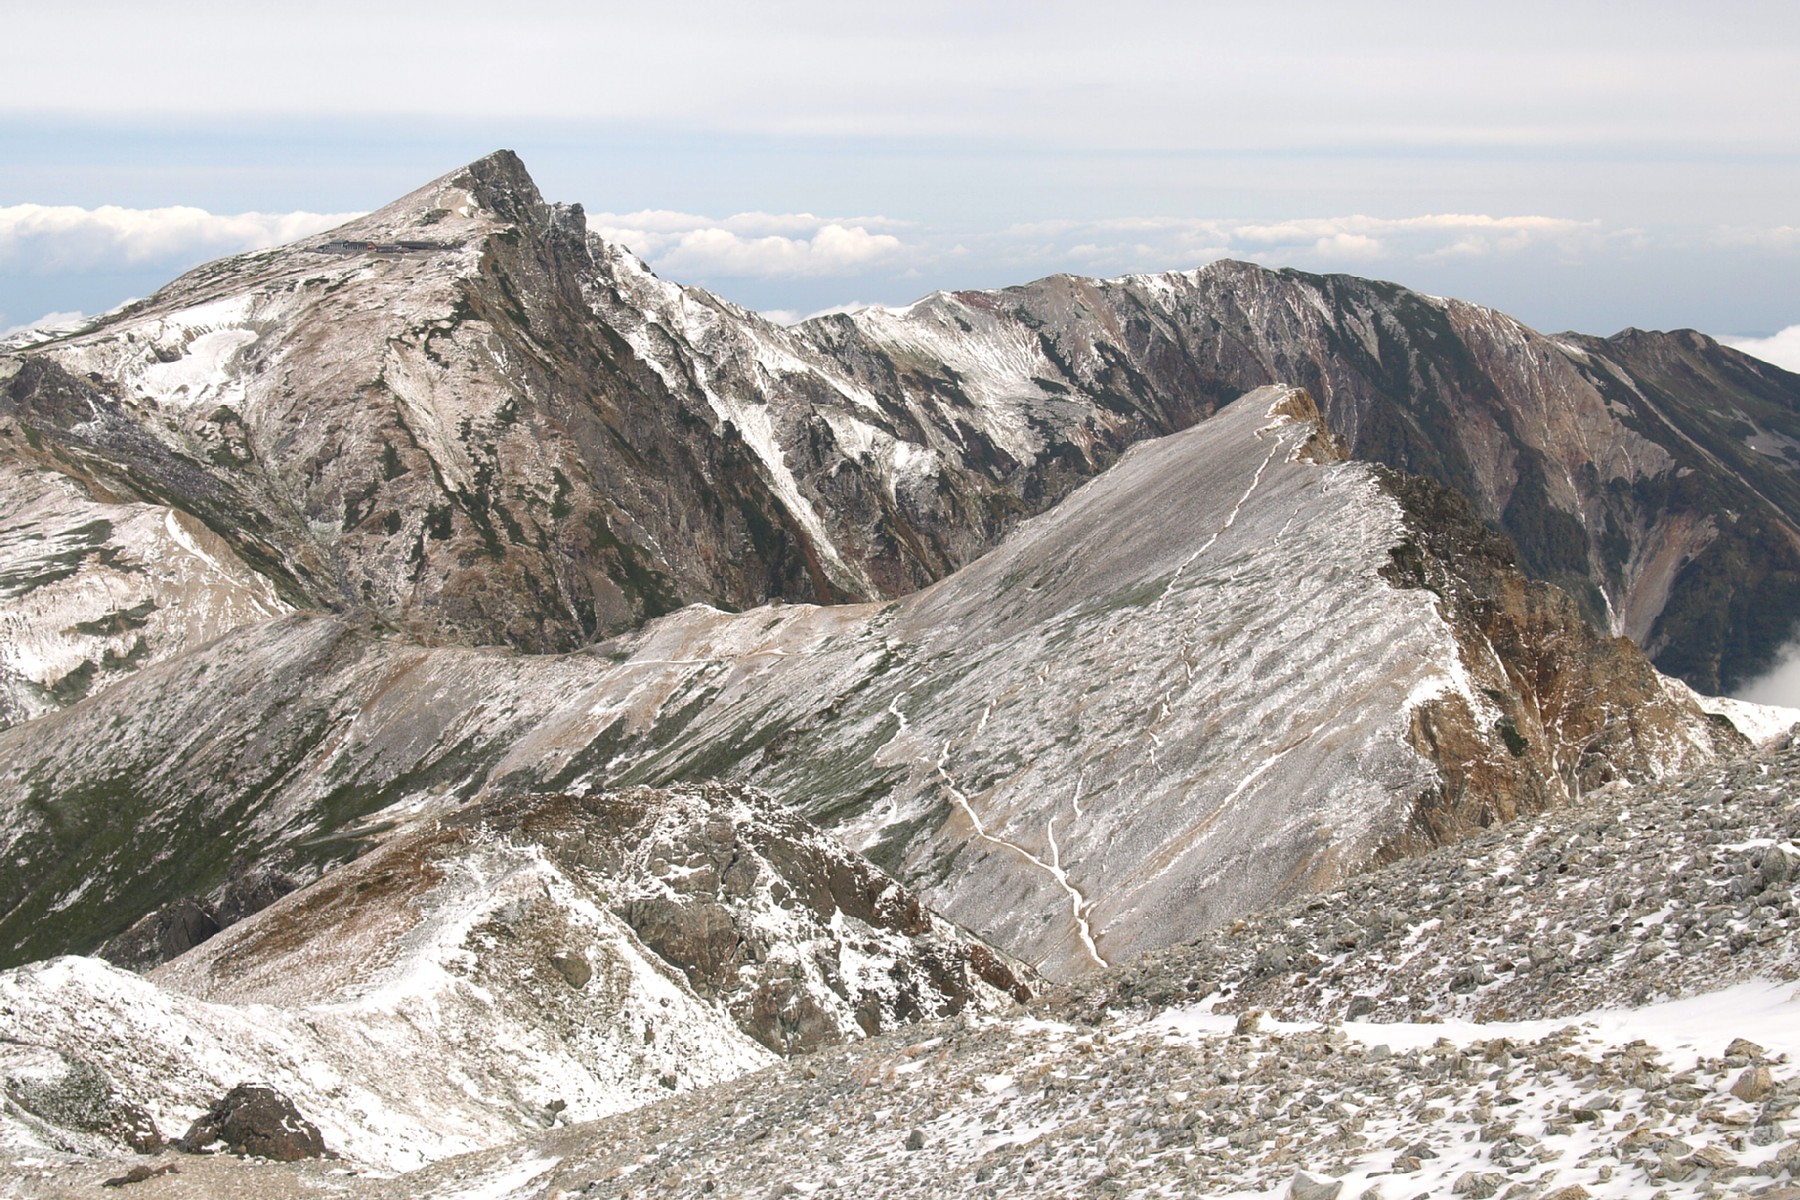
x=1640, y=894
x=467, y=415
x=496, y=970
x=1228, y=671
x=1619, y=1072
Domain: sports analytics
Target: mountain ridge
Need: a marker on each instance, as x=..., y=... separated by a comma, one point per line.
x=509, y=703
x=638, y=445
x=1232, y=648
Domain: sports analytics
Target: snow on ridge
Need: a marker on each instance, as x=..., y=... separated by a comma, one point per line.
x=105, y=588
x=470, y=1053
x=697, y=344
x=1761, y=723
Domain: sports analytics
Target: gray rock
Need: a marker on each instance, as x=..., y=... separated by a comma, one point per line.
x=573, y=966
x=1306, y=1187
x=1478, y=1185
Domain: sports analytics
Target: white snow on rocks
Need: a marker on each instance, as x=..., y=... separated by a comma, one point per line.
x=92, y=590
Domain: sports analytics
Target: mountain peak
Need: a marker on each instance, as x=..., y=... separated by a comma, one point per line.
x=500, y=183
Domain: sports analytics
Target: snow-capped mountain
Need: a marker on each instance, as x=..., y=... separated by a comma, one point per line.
x=1229, y=670
x=469, y=416
x=477, y=687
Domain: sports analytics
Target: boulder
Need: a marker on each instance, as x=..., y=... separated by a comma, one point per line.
x=1305, y=1187
x=257, y=1122
x=573, y=966
x=1754, y=1084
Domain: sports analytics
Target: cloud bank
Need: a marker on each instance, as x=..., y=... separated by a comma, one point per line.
x=752, y=245
x=1781, y=685
x=1782, y=349
x=42, y=238
x=760, y=245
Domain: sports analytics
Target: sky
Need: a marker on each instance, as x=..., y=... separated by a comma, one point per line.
x=1580, y=165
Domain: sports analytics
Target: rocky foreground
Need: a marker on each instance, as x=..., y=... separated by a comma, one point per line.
x=1451, y=1025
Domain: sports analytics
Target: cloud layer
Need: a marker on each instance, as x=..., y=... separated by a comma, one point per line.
x=90, y=259
x=751, y=245
x=773, y=246
x=1782, y=349
x=1781, y=685
x=1286, y=72
x=42, y=238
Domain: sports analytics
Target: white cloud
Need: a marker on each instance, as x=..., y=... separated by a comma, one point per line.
x=751, y=245
x=1782, y=349
x=1781, y=685
x=1348, y=245
x=832, y=250
x=56, y=322
x=790, y=316
x=42, y=238
x=1771, y=237
x=1158, y=243
x=796, y=246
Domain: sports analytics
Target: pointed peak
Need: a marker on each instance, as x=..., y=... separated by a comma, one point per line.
x=500, y=183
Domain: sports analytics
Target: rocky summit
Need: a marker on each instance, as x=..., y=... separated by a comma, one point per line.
x=479, y=719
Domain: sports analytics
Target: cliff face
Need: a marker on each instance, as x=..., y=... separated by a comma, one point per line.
x=1556, y=708
x=468, y=417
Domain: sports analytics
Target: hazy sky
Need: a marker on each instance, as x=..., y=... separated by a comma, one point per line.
x=1587, y=165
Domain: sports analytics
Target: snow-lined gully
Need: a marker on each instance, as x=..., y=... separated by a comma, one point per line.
x=1077, y=902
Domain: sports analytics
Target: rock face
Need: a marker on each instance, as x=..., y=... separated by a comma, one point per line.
x=465, y=414
x=254, y=1122
x=803, y=943
x=1556, y=708
x=179, y=926
x=1217, y=676
x=1728, y=421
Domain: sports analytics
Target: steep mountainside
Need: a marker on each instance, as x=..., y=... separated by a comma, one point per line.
x=1613, y=465
x=422, y=417
x=91, y=589
x=470, y=417
x=1227, y=671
